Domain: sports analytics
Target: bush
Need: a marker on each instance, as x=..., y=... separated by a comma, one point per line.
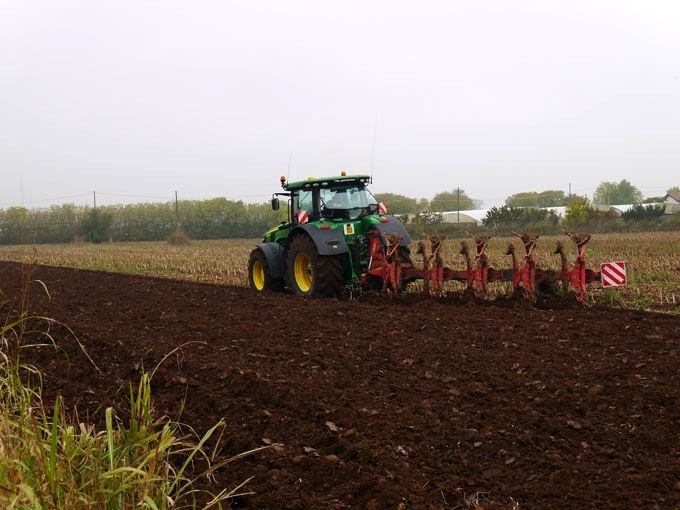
x=579, y=211
x=178, y=237
x=642, y=213
x=505, y=216
x=96, y=225
x=427, y=218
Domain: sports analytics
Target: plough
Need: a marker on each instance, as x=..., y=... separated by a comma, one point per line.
x=527, y=280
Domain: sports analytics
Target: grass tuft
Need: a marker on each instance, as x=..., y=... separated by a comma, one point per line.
x=49, y=460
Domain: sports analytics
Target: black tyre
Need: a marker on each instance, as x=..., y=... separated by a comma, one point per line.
x=311, y=274
x=259, y=275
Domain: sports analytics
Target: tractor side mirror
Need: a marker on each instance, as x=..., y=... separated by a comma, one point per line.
x=275, y=204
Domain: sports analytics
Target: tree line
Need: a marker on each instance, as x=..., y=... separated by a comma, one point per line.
x=216, y=218
x=607, y=193
x=220, y=218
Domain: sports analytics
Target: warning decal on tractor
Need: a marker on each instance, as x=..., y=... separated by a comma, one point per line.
x=302, y=216
x=349, y=229
x=613, y=274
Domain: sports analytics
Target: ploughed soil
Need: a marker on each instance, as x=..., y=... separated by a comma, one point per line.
x=377, y=403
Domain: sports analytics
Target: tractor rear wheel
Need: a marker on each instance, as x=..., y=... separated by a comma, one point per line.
x=259, y=274
x=311, y=274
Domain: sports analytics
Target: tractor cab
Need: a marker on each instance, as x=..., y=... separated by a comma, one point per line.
x=340, y=198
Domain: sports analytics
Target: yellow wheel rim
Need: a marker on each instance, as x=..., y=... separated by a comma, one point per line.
x=258, y=275
x=303, y=272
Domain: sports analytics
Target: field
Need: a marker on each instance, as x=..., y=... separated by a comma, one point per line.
x=378, y=404
x=653, y=262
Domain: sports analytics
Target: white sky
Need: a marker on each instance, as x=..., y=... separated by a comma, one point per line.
x=209, y=98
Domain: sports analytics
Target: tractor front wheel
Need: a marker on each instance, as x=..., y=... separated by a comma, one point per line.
x=311, y=274
x=259, y=275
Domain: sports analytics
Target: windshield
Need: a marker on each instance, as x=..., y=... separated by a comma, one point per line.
x=338, y=202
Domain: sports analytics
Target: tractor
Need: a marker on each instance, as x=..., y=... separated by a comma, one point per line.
x=333, y=239
x=338, y=237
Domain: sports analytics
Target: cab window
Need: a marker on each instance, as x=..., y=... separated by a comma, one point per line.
x=303, y=201
x=345, y=202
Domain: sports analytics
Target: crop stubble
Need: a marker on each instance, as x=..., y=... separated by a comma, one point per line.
x=653, y=263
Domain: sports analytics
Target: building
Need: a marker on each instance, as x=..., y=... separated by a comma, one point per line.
x=672, y=201
x=472, y=216
x=672, y=198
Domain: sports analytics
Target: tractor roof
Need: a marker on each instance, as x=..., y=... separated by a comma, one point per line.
x=323, y=182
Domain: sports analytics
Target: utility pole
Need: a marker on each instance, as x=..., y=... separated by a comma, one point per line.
x=176, y=209
x=94, y=196
x=569, y=189
x=21, y=189
x=458, y=192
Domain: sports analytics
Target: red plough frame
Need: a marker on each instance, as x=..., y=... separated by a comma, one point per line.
x=390, y=265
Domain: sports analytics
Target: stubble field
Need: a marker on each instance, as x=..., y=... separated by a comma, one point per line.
x=653, y=261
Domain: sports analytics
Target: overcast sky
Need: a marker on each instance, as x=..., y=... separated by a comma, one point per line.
x=209, y=98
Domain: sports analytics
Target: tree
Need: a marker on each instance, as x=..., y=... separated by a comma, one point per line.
x=640, y=212
x=398, y=204
x=423, y=205
x=673, y=189
x=551, y=198
x=449, y=200
x=578, y=211
x=427, y=218
x=96, y=225
x=613, y=193
x=14, y=225
x=547, y=198
x=525, y=199
x=653, y=200
x=509, y=216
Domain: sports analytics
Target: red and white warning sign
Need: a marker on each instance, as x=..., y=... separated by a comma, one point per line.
x=613, y=274
x=382, y=208
x=302, y=216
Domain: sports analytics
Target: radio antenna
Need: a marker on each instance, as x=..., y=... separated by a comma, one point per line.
x=290, y=157
x=375, y=131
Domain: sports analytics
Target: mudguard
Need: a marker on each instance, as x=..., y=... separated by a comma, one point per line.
x=394, y=226
x=327, y=242
x=274, y=254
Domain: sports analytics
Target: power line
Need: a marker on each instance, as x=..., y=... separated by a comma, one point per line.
x=134, y=196
x=46, y=199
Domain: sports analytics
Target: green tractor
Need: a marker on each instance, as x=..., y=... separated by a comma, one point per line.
x=337, y=236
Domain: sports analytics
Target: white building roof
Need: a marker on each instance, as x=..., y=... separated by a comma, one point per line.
x=477, y=214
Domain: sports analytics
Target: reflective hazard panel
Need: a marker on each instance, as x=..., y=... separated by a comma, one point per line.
x=382, y=208
x=349, y=229
x=302, y=216
x=613, y=274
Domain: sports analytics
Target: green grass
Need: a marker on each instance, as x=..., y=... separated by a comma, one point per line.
x=51, y=460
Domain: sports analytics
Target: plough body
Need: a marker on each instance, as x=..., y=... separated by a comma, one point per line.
x=390, y=265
